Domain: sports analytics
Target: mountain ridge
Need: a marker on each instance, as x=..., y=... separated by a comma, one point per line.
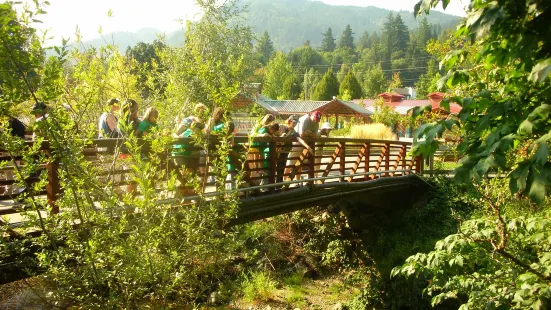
x=291, y=23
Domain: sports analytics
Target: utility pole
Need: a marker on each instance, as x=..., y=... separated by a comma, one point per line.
x=306, y=84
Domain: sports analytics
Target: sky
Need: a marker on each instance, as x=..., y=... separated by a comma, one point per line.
x=132, y=15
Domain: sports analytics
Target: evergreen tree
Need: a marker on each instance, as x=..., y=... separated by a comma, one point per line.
x=277, y=72
x=388, y=35
x=347, y=38
x=327, y=87
x=265, y=48
x=375, y=82
x=351, y=86
x=374, y=40
x=395, y=37
x=364, y=41
x=328, y=41
x=401, y=36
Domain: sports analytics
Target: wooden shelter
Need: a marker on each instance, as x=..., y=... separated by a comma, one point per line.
x=334, y=107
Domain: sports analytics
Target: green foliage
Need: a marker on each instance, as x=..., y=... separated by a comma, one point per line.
x=328, y=41
x=303, y=58
x=395, y=37
x=148, y=65
x=311, y=79
x=428, y=81
x=218, y=50
x=511, y=94
x=384, y=114
x=21, y=55
x=347, y=38
x=126, y=251
x=327, y=87
x=291, y=88
x=474, y=268
x=281, y=20
x=279, y=79
x=351, y=85
x=258, y=286
x=265, y=48
x=364, y=41
x=375, y=82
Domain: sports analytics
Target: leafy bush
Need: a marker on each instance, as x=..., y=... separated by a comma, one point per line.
x=258, y=286
x=372, y=131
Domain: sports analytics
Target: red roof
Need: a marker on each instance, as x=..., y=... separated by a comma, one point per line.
x=405, y=105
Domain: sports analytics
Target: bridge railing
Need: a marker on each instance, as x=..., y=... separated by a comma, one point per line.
x=282, y=162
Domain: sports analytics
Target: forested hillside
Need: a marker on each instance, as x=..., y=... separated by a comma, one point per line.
x=291, y=23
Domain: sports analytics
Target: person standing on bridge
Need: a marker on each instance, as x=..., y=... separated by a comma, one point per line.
x=287, y=131
x=308, y=126
x=107, y=125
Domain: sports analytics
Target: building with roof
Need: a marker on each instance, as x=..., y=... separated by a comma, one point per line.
x=403, y=106
x=335, y=107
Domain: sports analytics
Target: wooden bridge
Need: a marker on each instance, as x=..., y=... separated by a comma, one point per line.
x=326, y=169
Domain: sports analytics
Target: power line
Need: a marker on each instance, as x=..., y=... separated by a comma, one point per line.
x=366, y=63
x=389, y=70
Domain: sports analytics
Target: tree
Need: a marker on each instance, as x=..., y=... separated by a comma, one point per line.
x=347, y=38
x=148, y=65
x=304, y=57
x=401, y=39
x=351, y=86
x=21, y=54
x=265, y=48
x=384, y=114
x=396, y=81
x=375, y=82
x=291, y=88
x=328, y=41
x=395, y=37
x=215, y=57
x=499, y=258
x=327, y=87
x=427, y=82
x=311, y=79
x=278, y=71
x=364, y=41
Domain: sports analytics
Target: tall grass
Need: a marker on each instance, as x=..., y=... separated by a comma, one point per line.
x=258, y=286
x=372, y=131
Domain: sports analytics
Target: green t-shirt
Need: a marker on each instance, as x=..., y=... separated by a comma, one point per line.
x=260, y=145
x=145, y=126
x=183, y=149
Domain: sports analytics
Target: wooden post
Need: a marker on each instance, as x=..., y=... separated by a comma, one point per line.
x=418, y=164
x=312, y=164
x=273, y=163
x=53, y=188
x=337, y=121
x=387, y=159
x=342, y=159
x=431, y=164
x=366, y=161
x=404, y=150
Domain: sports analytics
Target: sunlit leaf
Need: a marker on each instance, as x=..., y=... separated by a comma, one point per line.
x=541, y=71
